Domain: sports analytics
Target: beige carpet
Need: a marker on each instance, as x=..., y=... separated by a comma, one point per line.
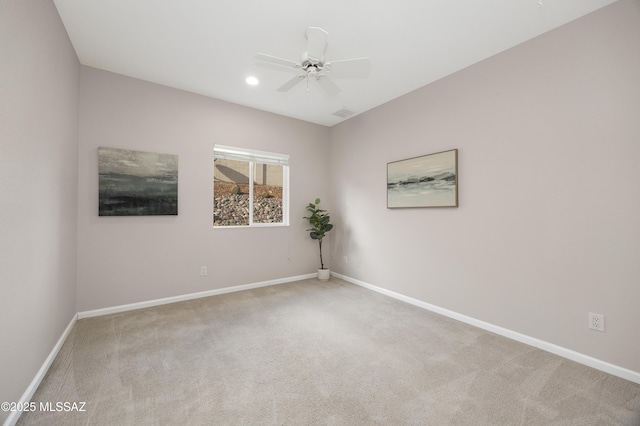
x=312, y=353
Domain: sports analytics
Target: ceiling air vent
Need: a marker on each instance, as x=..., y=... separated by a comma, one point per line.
x=344, y=113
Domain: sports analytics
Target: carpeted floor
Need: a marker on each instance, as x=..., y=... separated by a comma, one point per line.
x=313, y=353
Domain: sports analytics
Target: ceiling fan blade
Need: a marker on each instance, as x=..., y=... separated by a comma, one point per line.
x=316, y=43
x=358, y=66
x=279, y=68
x=275, y=60
x=327, y=85
x=291, y=83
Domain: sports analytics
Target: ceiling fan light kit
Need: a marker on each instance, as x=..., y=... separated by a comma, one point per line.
x=313, y=65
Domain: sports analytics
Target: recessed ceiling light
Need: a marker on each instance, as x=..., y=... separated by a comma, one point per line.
x=252, y=81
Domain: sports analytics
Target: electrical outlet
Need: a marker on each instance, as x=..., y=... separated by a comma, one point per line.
x=203, y=271
x=596, y=321
x=346, y=260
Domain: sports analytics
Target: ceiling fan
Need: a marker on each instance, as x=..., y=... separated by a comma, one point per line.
x=313, y=66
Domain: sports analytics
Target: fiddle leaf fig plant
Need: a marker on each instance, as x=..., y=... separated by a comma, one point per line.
x=320, y=224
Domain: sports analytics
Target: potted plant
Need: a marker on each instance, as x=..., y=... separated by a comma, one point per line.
x=319, y=220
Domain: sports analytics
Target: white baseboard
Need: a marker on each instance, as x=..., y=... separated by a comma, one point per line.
x=31, y=389
x=191, y=296
x=615, y=370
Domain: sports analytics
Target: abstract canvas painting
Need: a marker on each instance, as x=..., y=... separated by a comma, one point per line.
x=136, y=183
x=426, y=181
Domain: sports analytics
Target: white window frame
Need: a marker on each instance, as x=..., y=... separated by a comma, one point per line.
x=252, y=157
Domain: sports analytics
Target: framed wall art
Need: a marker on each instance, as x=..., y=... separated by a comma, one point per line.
x=136, y=183
x=426, y=181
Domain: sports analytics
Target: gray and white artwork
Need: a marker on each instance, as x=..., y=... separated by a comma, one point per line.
x=136, y=183
x=426, y=181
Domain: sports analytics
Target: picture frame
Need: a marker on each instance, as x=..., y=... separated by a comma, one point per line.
x=136, y=183
x=426, y=181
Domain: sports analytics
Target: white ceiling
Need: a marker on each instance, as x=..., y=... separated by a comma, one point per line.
x=208, y=46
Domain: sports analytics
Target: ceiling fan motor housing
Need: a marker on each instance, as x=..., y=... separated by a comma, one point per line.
x=307, y=61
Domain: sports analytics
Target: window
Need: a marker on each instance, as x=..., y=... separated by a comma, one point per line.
x=250, y=188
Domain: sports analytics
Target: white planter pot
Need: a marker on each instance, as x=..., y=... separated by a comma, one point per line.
x=324, y=274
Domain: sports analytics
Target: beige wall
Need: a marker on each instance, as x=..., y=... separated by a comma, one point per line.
x=132, y=259
x=548, y=226
x=38, y=189
x=263, y=174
